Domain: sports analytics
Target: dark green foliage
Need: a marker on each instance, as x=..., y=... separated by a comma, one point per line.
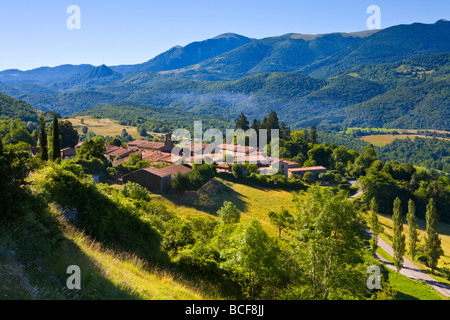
x=194, y=180
x=43, y=139
x=69, y=136
x=93, y=148
x=242, y=122
x=135, y=191
x=14, y=170
x=237, y=171
x=433, y=247
x=425, y=152
x=56, y=143
x=374, y=224
x=15, y=131
x=16, y=109
x=413, y=227
x=398, y=239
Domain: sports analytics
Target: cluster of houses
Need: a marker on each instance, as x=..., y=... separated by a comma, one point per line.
x=159, y=178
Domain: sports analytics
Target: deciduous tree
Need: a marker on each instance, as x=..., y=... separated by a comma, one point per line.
x=398, y=240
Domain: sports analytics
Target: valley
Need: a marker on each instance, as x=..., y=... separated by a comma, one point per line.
x=363, y=123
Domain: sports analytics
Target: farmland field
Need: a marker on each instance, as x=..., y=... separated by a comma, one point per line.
x=103, y=127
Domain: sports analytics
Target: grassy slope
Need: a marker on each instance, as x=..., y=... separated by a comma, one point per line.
x=253, y=202
x=105, y=274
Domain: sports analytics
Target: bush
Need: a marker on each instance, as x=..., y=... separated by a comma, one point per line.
x=423, y=259
x=178, y=235
x=195, y=180
x=135, y=191
x=237, y=171
x=445, y=272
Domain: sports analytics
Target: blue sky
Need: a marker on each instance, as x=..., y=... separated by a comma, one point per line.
x=34, y=32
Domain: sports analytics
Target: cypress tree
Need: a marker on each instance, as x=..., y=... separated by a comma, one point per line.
x=56, y=140
x=432, y=242
x=1, y=147
x=313, y=135
x=398, y=241
x=412, y=225
x=242, y=122
x=43, y=139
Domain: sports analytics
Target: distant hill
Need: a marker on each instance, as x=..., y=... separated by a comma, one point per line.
x=44, y=73
x=16, y=109
x=100, y=75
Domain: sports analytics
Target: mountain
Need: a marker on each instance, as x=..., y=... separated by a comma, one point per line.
x=275, y=54
x=195, y=52
x=44, y=73
x=98, y=76
x=388, y=45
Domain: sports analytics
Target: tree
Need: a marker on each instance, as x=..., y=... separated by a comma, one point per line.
x=43, y=139
x=321, y=155
x=256, y=125
x=433, y=247
x=255, y=255
x=93, y=148
x=329, y=229
x=69, y=136
x=229, y=213
x=56, y=153
x=412, y=225
x=84, y=129
x=313, y=135
x=398, y=240
x=374, y=223
x=281, y=219
x=285, y=131
x=1, y=147
x=242, y=122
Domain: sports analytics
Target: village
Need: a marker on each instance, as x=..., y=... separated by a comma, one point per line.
x=165, y=165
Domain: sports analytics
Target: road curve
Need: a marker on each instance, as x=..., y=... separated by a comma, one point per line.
x=409, y=268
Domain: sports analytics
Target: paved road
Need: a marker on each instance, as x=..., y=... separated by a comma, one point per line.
x=410, y=269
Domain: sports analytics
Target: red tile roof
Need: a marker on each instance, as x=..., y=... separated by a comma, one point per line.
x=171, y=170
x=307, y=169
x=144, y=144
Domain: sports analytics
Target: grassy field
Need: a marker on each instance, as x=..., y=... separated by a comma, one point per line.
x=381, y=140
x=105, y=127
x=253, y=202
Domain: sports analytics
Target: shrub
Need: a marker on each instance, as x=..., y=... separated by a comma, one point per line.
x=423, y=259
x=135, y=191
x=229, y=213
x=237, y=171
